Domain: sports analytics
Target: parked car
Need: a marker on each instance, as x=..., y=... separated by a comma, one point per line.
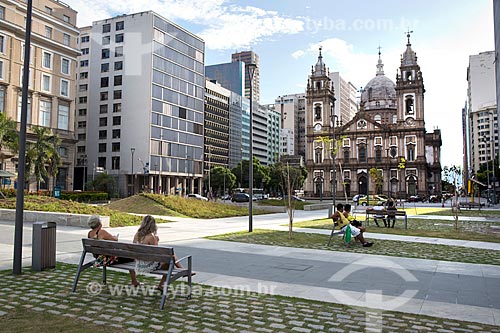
x=240, y=197
x=373, y=200
x=226, y=197
x=197, y=196
x=356, y=198
x=415, y=198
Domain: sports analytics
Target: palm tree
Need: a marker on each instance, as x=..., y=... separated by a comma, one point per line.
x=8, y=136
x=42, y=154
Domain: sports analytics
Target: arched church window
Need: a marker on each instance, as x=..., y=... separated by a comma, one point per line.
x=378, y=155
x=377, y=103
x=377, y=118
x=370, y=93
x=346, y=155
x=409, y=105
x=318, y=85
x=362, y=153
x=410, y=152
x=317, y=112
x=408, y=76
x=318, y=155
x=393, y=152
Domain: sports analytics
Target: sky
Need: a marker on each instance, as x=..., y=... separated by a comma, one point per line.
x=287, y=34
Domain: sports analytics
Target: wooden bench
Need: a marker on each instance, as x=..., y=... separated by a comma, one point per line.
x=384, y=212
x=470, y=205
x=138, y=252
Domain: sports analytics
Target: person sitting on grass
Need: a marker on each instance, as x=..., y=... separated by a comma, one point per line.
x=356, y=232
x=97, y=232
x=147, y=235
x=391, y=214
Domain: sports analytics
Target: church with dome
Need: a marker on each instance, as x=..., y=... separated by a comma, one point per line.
x=384, y=149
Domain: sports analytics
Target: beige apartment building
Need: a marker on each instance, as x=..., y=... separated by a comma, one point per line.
x=53, y=63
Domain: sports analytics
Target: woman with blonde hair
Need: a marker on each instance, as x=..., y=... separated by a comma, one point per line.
x=147, y=235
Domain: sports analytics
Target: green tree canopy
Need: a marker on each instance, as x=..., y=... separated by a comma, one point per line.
x=260, y=174
x=220, y=178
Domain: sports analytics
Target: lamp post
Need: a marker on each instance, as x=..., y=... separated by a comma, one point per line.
x=209, y=169
x=251, y=67
x=132, y=151
x=492, y=145
x=487, y=166
x=334, y=177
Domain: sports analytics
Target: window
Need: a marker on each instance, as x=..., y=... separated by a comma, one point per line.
x=117, y=94
x=84, y=75
x=103, y=134
x=346, y=155
x=104, y=96
x=378, y=155
x=44, y=115
x=66, y=39
x=117, y=120
x=115, y=147
x=84, y=63
x=117, y=80
x=318, y=155
x=317, y=112
x=106, y=28
x=82, y=112
x=2, y=12
x=120, y=25
x=80, y=149
x=362, y=153
x=85, y=50
x=394, y=119
x=409, y=104
x=102, y=147
x=63, y=151
x=2, y=99
x=378, y=141
x=410, y=152
x=65, y=66
x=46, y=82
x=115, y=162
x=28, y=119
x=82, y=100
x=83, y=87
x=119, y=38
x=85, y=39
x=393, y=152
x=47, y=59
x=48, y=10
x=106, y=40
x=103, y=108
x=82, y=124
x=48, y=32
x=118, y=65
x=116, y=134
x=119, y=51
x=104, y=82
x=117, y=107
x=66, y=18
x=103, y=121
x=101, y=162
x=82, y=136
x=2, y=44
x=104, y=68
x=63, y=117
x=105, y=54
x=64, y=88
x=377, y=118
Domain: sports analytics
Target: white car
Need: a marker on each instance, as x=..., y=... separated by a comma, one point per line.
x=197, y=196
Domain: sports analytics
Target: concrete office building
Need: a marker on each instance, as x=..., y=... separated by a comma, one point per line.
x=144, y=114
x=292, y=111
x=482, y=117
x=229, y=75
x=287, y=147
x=346, y=105
x=273, y=134
x=239, y=134
x=250, y=57
x=51, y=81
x=496, y=16
x=217, y=108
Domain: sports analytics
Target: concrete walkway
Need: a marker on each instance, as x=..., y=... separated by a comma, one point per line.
x=437, y=288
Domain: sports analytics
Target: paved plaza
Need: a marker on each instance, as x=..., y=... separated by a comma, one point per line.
x=449, y=291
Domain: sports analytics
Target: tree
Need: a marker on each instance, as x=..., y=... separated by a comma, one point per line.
x=220, y=178
x=261, y=172
x=377, y=178
x=42, y=153
x=9, y=137
x=453, y=174
x=105, y=183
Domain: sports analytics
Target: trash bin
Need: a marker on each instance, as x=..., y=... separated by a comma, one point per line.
x=43, y=251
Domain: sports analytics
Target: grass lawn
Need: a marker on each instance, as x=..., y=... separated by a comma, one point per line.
x=140, y=204
x=381, y=247
x=468, y=230
x=42, y=302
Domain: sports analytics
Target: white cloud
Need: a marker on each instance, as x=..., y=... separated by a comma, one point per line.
x=223, y=26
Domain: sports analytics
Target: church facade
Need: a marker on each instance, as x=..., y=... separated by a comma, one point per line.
x=384, y=149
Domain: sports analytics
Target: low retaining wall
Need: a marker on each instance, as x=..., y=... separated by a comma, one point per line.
x=76, y=220
x=318, y=206
x=273, y=209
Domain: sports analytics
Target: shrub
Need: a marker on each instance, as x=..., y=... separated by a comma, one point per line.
x=88, y=196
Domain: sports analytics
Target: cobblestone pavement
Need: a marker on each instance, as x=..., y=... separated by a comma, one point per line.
x=211, y=309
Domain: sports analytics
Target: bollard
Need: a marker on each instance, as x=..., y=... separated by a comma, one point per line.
x=43, y=247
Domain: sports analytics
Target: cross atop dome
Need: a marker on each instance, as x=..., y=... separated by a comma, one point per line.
x=380, y=65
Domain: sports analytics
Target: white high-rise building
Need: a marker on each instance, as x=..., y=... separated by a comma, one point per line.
x=141, y=119
x=482, y=120
x=292, y=109
x=345, y=95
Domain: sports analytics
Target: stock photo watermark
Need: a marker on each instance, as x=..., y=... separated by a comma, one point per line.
x=179, y=290
x=366, y=24
x=373, y=298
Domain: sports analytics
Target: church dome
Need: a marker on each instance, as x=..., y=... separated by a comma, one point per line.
x=379, y=92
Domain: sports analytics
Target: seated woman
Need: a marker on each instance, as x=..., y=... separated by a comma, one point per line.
x=97, y=232
x=147, y=235
x=356, y=232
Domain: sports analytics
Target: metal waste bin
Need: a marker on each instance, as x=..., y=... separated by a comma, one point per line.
x=43, y=251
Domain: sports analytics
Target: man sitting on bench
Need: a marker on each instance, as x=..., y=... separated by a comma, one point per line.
x=356, y=232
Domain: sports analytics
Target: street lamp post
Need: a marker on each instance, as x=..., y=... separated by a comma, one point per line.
x=209, y=172
x=132, y=151
x=492, y=145
x=487, y=167
x=334, y=177
x=251, y=67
